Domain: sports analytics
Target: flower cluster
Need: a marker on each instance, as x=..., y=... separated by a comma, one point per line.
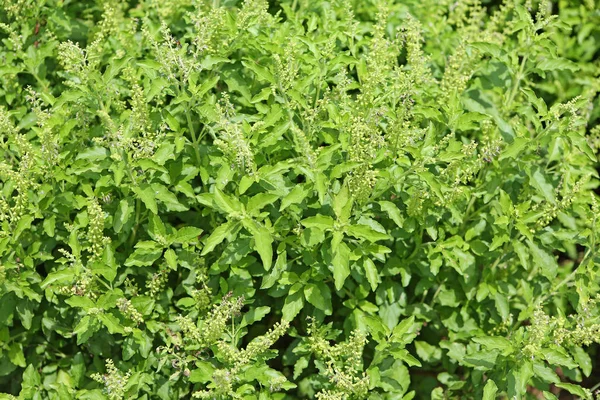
x=343, y=364
x=129, y=310
x=157, y=282
x=22, y=180
x=549, y=211
x=231, y=139
x=114, y=381
x=581, y=329
x=96, y=240
x=2, y=274
x=175, y=64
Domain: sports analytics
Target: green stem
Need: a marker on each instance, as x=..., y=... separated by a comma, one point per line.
x=519, y=78
x=138, y=207
x=193, y=133
x=569, y=278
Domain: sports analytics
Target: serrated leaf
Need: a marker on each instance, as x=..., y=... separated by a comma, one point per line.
x=295, y=196
x=582, y=358
x=574, y=389
x=515, y=148
x=171, y=259
x=280, y=265
x=371, y=273
x=217, y=236
x=558, y=357
x=545, y=373
x=263, y=241
x=254, y=315
x=318, y=221
x=489, y=48
x=187, y=234
x=146, y=195
x=393, y=212
x=318, y=295
x=340, y=264
x=546, y=262
x=121, y=215
x=143, y=257
x=557, y=64
x=111, y=323
x=495, y=342
x=293, y=303
x=169, y=199
x=538, y=180
x=365, y=232
x=489, y=390
x=202, y=373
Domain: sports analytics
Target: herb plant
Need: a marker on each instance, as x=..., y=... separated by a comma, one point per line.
x=299, y=199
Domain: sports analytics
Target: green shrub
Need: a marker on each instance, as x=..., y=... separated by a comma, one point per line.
x=299, y=199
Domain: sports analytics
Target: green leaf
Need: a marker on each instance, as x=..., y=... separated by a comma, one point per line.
x=318, y=295
x=502, y=305
x=143, y=257
x=259, y=201
x=538, y=180
x=25, y=309
x=146, y=194
x=293, y=303
x=23, y=224
x=557, y=64
x=582, y=358
x=262, y=73
x=226, y=203
x=171, y=259
x=322, y=222
x=187, y=234
x=122, y=214
x=490, y=389
x=581, y=143
x=206, y=86
x=217, y=236
x=365, y=232
x=404, y=355
x=489, y=48
x=63, y=275
x=393, y=212
x=156, y=228
x=263, y=241
x=94, y=154
x=371, y=273
x=545, y=373
x=515, y=148
x=280, y=265
x=49, y=225
x=558, y=357
x=340, y=264
x=81, y=302
x=16, y=355
x=202, y=373
x=254, y=315
x=543, y=260
x=168, y=198
x=574, y=389
x=342, y=204
x=111, y=323
x=402, y=330
x=295, y=196
x=495, y=343
x=31, y=382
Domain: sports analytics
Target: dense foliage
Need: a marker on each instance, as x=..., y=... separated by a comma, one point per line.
x=326, y=199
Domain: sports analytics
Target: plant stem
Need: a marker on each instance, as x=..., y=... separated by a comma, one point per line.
x=518, y=80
